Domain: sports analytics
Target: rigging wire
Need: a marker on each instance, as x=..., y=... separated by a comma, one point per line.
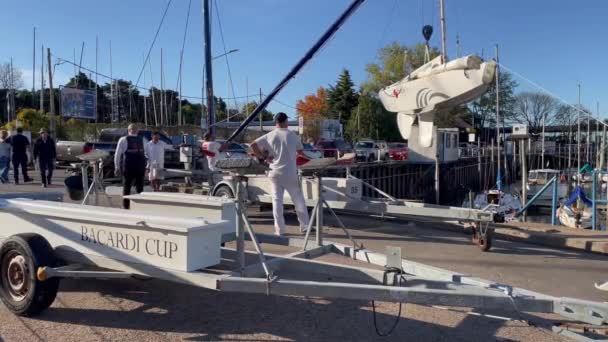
x=134, y=86
x=181, y=57
x=543, y=89
x=219, y=23
x=154, y=40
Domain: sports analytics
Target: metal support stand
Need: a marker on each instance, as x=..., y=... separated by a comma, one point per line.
x=242, y=223
x=316, y=216
x=96, y=186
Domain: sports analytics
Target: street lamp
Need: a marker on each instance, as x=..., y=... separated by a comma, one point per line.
x=224, y=54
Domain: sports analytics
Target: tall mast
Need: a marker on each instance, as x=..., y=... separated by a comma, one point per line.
x=153, y=96
x=42, y=79
x=208, y=68
x=162, y=90
x=34, y=68
x=444, y=56
x=111, y=87
x=498, y=175
x=96, y=84
x=588, y=140
x=578, y=136
x=145, y=101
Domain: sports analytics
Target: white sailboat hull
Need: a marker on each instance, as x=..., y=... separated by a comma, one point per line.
x=568, y=218
x=433, y=87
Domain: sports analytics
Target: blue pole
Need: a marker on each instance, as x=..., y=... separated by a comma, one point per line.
x=593, y=204
x=554, y=202
x=537, y=195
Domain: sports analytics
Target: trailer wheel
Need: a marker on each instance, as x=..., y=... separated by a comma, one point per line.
x=485, y=241
x=224, y=191
x=20, y=290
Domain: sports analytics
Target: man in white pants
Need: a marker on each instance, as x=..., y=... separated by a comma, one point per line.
x=282, y=147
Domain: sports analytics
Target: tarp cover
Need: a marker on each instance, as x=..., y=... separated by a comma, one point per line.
x=578, y=192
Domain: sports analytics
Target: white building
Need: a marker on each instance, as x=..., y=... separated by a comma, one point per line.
x=444, y=146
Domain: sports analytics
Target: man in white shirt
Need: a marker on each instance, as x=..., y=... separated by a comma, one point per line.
x=155, y=152
x=130, y=162
x=283, y=147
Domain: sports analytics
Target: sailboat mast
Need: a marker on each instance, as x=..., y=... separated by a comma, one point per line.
x=498, y=175
x=34, y=69
x=208, y=68
x=578, y=137
x=42, y=78
x=444, y=56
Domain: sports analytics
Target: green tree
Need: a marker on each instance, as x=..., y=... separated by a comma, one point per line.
x=484, y=108
x=370, y=120
x=395, y=61
x=342, y=98
x=249, y=107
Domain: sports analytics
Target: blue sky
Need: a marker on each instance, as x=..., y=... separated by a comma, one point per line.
x=555, y=43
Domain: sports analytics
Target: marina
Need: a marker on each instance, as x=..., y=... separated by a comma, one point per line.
x=437, y=191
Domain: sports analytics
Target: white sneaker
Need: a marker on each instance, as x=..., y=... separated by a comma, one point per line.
x=278, y=233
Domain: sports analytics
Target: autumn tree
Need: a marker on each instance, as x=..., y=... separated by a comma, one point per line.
x=313, y=108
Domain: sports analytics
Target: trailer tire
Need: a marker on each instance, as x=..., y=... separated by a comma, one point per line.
x=20, y=257
x=485, y=242
x=223, y=191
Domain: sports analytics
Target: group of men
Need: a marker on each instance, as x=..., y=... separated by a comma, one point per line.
x=279, y=148
x=15, y=149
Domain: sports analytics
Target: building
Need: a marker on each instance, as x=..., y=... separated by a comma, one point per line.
x=444, y=146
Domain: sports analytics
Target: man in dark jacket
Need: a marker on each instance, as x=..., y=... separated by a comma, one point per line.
x=20, y=145
x=130, y=162
x=44, y=151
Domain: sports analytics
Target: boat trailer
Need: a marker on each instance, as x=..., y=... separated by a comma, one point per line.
x=45, y=241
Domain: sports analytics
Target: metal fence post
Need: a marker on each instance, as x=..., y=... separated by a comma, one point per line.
x=554, y=203
x=593, y=202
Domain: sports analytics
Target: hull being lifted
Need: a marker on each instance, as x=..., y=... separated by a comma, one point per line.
x=433, y=87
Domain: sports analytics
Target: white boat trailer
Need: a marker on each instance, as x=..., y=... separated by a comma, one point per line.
x=44, y=241
x=344, y=195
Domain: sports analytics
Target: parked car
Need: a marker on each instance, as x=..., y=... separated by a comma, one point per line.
x=466, y=150
x=310, y=152
x=108, y=140
x=397, y=151
x=370, y=151
x=67, y=151
x=334, y=148
x=235, y=150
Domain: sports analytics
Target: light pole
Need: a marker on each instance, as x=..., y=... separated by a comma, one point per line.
x=224, y=54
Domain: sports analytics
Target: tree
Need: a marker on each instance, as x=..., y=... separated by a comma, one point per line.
x=484, y=108
x=342, y=98
x=370, y=120
x=5, y=77
x=30, y=119
x=249, y=107
x=532, y=108
x=313, y=109
x=396, y=61
x=567, y=116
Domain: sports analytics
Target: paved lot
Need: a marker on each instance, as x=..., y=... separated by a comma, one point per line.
x=155, y=310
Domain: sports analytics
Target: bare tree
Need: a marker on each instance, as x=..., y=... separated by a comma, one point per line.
x=532, y=107
x=5, y=77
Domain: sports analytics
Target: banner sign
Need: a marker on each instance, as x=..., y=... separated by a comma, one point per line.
x=78, y=103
